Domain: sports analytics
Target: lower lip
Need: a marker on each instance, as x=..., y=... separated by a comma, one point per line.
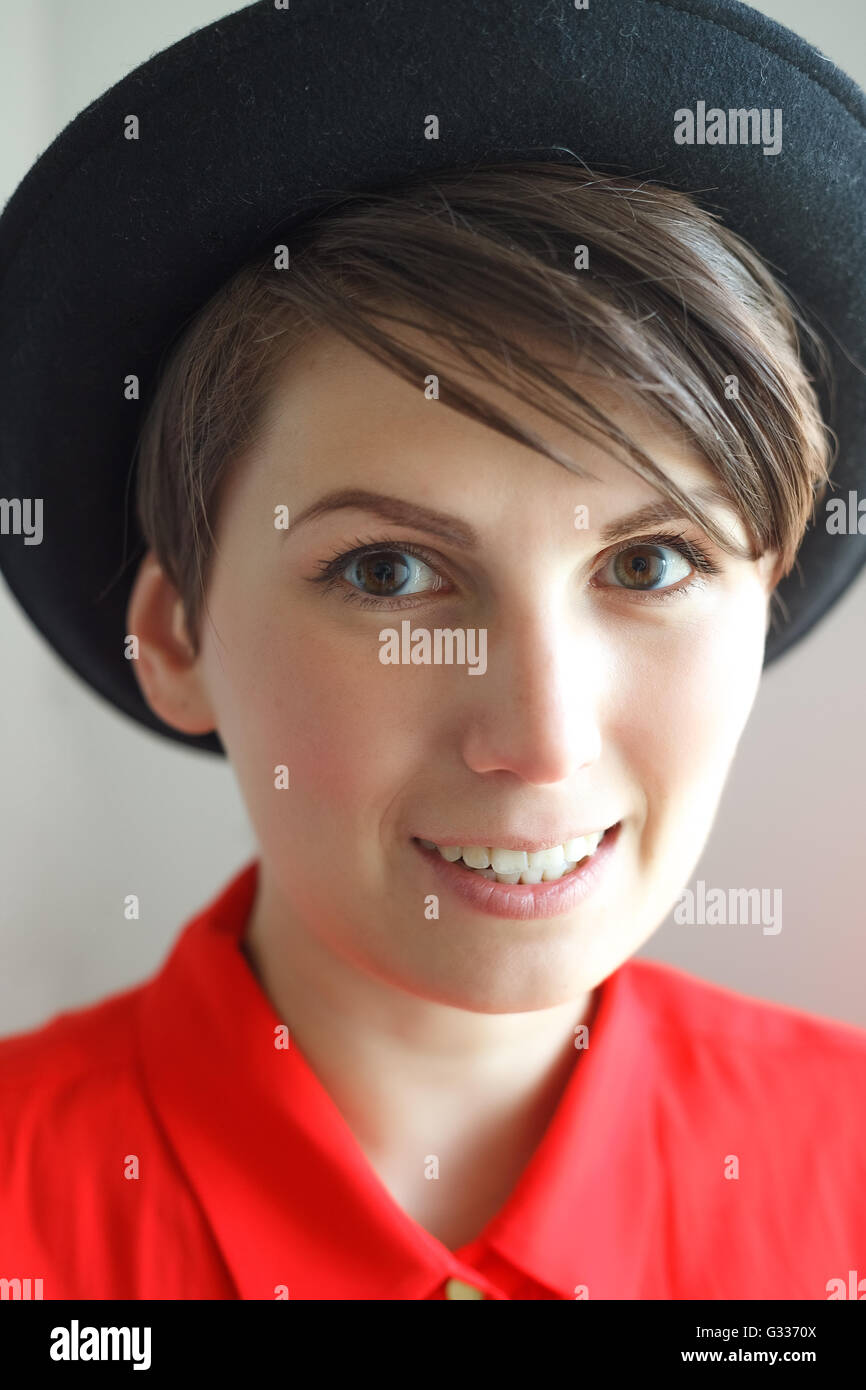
x=524, y=901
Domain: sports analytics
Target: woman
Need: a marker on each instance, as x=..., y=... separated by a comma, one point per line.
x=464, y=508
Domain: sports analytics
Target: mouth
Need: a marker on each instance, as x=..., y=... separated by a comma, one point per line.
x=522, y=866
x=523, y=883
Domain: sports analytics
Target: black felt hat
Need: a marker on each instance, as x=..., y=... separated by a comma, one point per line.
x=109, y=245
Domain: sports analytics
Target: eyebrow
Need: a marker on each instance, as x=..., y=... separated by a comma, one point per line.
x=450, y=528
x=655, y=513
x=457, y=532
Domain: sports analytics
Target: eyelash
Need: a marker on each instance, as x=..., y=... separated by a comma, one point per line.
x=331, y=570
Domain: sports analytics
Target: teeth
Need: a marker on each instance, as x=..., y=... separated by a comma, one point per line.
x=476, y=857
x=450, y=852
x=557, y=870
x=531, y=875
x=507, y=861
x=517, y=865
x=548, y=858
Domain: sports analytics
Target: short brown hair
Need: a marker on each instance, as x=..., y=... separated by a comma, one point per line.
x=672, y=304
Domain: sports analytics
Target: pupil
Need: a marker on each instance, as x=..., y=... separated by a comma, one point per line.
x=378, y=574
x=644, y=567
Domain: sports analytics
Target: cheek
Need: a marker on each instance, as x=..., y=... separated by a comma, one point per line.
x=342, y=723
x=688, y=694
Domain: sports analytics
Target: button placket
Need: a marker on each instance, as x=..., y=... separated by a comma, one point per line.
x=457, y=1288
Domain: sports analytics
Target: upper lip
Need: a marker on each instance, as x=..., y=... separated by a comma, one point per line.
x=532, y=844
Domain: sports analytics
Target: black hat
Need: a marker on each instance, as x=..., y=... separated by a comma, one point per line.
x=109, y=245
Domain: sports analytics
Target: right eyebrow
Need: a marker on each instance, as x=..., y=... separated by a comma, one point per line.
x=395, y=509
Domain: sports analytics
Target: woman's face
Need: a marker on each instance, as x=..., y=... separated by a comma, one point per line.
x=604, y=700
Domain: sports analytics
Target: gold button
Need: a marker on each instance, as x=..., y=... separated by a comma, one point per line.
x=455, y=1288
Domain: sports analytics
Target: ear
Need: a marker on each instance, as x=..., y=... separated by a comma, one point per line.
x=770, y=570
x=167, y=669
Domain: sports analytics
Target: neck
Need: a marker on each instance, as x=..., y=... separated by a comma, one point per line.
x=410, y=1075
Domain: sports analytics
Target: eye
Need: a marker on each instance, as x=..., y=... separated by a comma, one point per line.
x=390, y=574
x=646, y=565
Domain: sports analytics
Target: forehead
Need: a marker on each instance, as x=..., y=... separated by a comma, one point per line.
x=329, y=385
x=337, y=420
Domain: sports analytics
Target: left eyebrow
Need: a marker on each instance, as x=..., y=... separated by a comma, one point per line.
x=656, y=513
x=392, y=509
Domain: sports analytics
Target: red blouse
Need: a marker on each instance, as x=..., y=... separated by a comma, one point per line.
x=158, y=1145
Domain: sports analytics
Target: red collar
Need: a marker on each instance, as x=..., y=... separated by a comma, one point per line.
x=290, y=1195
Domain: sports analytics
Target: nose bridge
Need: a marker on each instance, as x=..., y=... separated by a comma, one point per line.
x=535, y=710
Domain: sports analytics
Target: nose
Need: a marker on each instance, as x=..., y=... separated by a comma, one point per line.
x=535, y=711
